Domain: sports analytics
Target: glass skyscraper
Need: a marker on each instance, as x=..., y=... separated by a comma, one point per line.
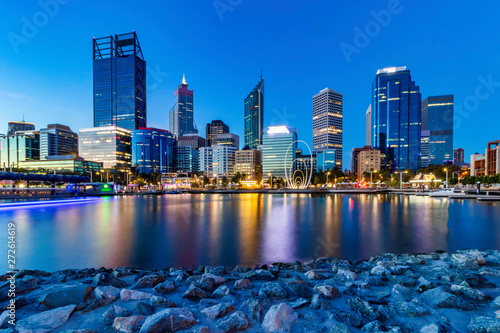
x=119, y=82
x=437, y=130
x=153, y=150
x=186, y=159
x=22, y=146
x=275, y=144
x=254, y=116
x=396, y=119
x=182, y=113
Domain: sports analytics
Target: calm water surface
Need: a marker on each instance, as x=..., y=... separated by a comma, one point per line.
x=229, y=229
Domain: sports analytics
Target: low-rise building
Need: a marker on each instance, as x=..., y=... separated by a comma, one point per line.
x=205, y=157
x=487, y=164
x=62, y=163
x=248, y=162
x=223, y=161
x=368, y=160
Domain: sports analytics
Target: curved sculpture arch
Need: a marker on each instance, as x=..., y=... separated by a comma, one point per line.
x=294, y=179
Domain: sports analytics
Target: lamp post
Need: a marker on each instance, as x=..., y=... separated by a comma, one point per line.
x=90, y=175
x=371, y=176
x=271, y=175
x=446, y=186
x=327, y=174
x=401, y=179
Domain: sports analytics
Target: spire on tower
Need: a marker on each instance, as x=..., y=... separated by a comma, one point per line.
x=184, y=79
x=261, y=71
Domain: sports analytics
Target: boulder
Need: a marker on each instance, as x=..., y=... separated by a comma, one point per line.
x=340, y=328
x=161, y=301
x=113, y=312
x=134, y=295
x=496, y=303
x=380, y=271
x=194, y=292
x=28, y=283
x=438, y=298
x=469, y=293
x=66, y=296
x=345, y=275
x=217, y=280
x=253, y=308
x=128, y=324
x=169, y=320
x=148, y=281
x=243, y=284
x=415, y=308
x=236, y=321
x=47, y=320
x=258, y=275
x=107, y=292
x=196, y=329
x=351, y=319
x=327, y=291
x=165, y=287
x=424, y=284
x=221, y=292
x=300, y=288
x=299, y=303
x=483, y=324
x=363, y=308
x=107, y=279
x=144, y=309
x=280, y=317
x=217, y=311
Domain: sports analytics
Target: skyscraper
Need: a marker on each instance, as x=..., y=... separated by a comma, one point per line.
x=19, y=147
x=396, y=119
x=153, y=150
x=119, y=82
x=437, y=130
x=57, y=140
x=327, y=123
x=228, y=139
x=181, y=114
x=254, y=115
x=458, y=155
x=368, y=125
x=276, y=143
x=213, y=129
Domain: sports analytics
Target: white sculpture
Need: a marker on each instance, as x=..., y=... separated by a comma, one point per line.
x=298, y=179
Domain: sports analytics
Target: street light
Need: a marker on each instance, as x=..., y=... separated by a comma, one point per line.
x=327, y=174
x=371, y=176
x=401, y=179
x=90, y=175
x=446, y=186
x=271, y=175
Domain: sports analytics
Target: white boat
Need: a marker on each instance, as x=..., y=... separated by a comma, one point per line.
x=446, y=192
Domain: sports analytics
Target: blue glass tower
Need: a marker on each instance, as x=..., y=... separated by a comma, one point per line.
x=182, y=114
x=153, y=150
x=254, y=116
x=396, y=119
x=437, y=129
x=119, y=82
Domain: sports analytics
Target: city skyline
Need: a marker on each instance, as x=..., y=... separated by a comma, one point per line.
x=434, y=75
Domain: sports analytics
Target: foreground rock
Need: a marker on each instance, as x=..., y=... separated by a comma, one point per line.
x=47, y=320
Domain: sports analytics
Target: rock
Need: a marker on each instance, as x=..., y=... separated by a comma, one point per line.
x=128, y=324
x=217, y=311
x=205, y=283
x=272, y=290
x=411, y=309
x=401, y=293
x=47, y=320
x=424, y=284
x=489, y=271
x=253, y=308
x=221, y=292
x=318, y=301
x=169, y=320
x=327, y=290
x=144, y=309
x=196, y=329
x=464, y=261
x=66, y=296
x=280, y=317
x=165, y=287
x=28, y=283
x=133, y=295
x=299, y=303
x=351, y=319
x=439, y=327
x=113, y=312
x=107, y=292
x=345, y=275
x=376, y=281
x=195, y=293
x=217, y=280
x=243, y=284
x=398, y=269
x=300, y=288
x=497, y=314
x=469, y=293
x=258, y=275
x=161, y=301
x=106, y=279
x=362, y=307
x=315, y=274
x=496, y=303
x=380, y=271
x=148, y=281
x=483, y=324
x=236, y=321
x=477, y=281
x=340, y=328
x=373, y=326
x=438, y=298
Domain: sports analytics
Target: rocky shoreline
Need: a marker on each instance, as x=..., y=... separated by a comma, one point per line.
x=436, y=292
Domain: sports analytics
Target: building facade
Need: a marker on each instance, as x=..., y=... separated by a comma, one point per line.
x=215, y=128
x=228, y=139
x=119, y=82
x=458, y=156
x=205, y=157
x=19, y=147
x=354, y=157
x=368, y=126
x=254, y=116
x=487, y=164
x=368, y=160
x=437, y=130
x=186, y=159
x=153, y=150
x=15, y=126
x=223, y=161
x=277, y=141
x=57, y=140
x=248, y=162
x=478, y=164
x=182, y=113
x=396, y=119
x=325, y=159
x=191, y=140
x=109, y=145
x=327, y=122
x=66, y=163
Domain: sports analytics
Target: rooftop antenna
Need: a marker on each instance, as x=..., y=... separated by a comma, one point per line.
x=261, y=71
x=23, y=117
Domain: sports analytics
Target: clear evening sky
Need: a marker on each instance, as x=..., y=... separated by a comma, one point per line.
x=451, y=47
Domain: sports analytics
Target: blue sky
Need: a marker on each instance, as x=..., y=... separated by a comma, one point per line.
x=451, y=47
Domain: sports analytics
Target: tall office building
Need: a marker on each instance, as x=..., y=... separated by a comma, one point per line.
x=368, y=126
x=15, y=126
x=224, y=161
x=186, y=159
x=153, y=150
x=215, y=128
x=19, y=147
x=275, y=144
x=205, y=158
x=437, y=130
x=119, y=82
x=254, y=115
x=396, y=119
x=194, y=141
x=228, y=139
x=182, y=113
x=458, y=155
x=327, y=122
x=57, y=140
x=110, y=145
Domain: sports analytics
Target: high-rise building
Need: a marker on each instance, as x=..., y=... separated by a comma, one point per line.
x=205, y=158
x=56, y=140
x=368, y=126
x=223, y=161
x=458, y=155
x=396, y=119
x=110, y=145
x=119, y=82
x=437, y=130
x=248, y=162
x=153, y=150
x=228, y=139
x=19, y=147
x=254, y=115
x=215, y=128
x=186, y=159
x=277, y=141
x=327, y=122
x=354, y=157
x=182, y=113
x=368, y=160
x=194, y=141
x=15, y=126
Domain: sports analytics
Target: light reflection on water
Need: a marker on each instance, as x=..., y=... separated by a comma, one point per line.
x=229, y=229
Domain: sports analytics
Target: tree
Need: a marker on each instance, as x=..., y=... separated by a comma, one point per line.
x=205, y=180
x=224, y=181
